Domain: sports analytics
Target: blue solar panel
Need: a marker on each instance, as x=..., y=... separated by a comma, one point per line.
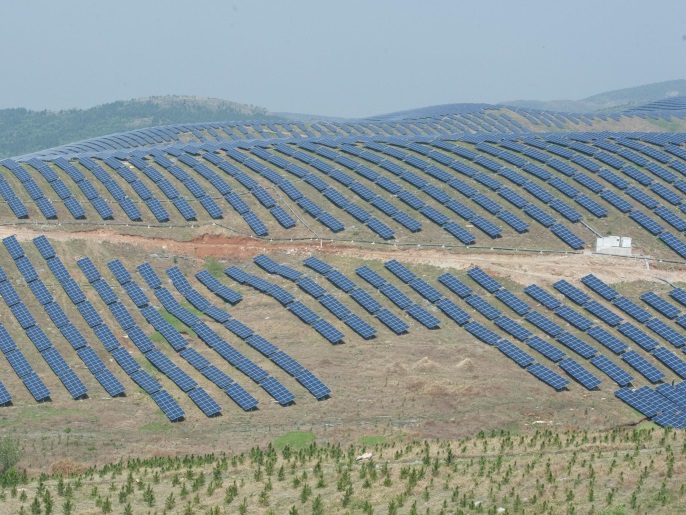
x=661, y=305
x=580, y=347
x=311, y=287
x=666, y=332
x=512, y=301
x=395, y=295
x=168, y=405
x=110, y=383
x=578, y=372
x=425, y=290
x=669, y=359
x=606, y=339
x=146, y=381
x=569, y=315
x=125, y=360
x=380, y=228
x=277, y=390
x=641, y=365
x=340, y=280
x=287, y=363
x=35, y=386
x=303, y=312
x=23, y=315
x=543, y=323
x=513, y=352
x=546, y=349
x=511, y=327
x=361, y=327
x=44, y=247
x=603, y=313
x=400, y=271
x=637, y=336
x=548, y=376
x=13, y=247
x=91, y=359
x=365, y=300
x=599, y=287
x=370, y=276
x=455, y=285
x=632, y=309
x=313, y=385
x=571, y=292
x=540, y=295
x=483, y=334
x=120, y=273
x=614, y=372
x=483, y=307
x=329, y=332
x=450, y=309
x=317, y=265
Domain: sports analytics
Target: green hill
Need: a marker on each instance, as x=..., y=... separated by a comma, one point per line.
x=23, y=131
x=616, y=100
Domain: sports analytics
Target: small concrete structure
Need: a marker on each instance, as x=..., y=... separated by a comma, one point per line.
x=615, y=245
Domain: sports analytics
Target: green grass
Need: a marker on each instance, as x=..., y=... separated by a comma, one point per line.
x=370, y=441
x=214, y=267
x=295, y=440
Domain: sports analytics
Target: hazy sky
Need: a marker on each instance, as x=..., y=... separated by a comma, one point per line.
x=348, y=58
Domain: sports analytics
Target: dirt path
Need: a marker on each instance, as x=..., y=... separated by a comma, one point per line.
x=520, y=267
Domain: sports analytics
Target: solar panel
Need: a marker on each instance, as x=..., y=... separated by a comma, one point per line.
x=89, y=313
x=370, y=276
x=455, y=285
x=313, y=385
x=239, y=329
x=634, y=400
x=329, y=332
x=642, y=366
x=672, y=393
x=288, y=273
x=341, y=281
x=282, y=217
x=26, y=269
x=44, y=247
x=632, y=309
x=480, y=332
x=660, y=305
x=512, y=301
x=400, y=271
x=120, y=273
x=425, y=290
x=569, y=315
x=303, y=312
x=241, y=397
x=450, y=309
x=311, y=287
x=277, y=390
x=546, y=349
x=513, y=328
x=335, y=306
x=91, y=359
x=599, y=287
x=35, y=386
x=666, y=332
x=110, y=383
x=23, y=315
x=125, y=360
x=603, y=313
x=287, y=363
x=361, y=327
x=13, y=247
x=578, y=372
x=614, y=372
x=181, y=379
x=646, y=222
x=516, y=354
x=548, y=376
x=637, y=336
x=579, y=346
x=106, y=336
x=168, y=405
x=679, y=295
x=365, y=300
x=395, y=295
x=542, y=296
x=146, y=381
x=606, y=339
x=669, y=359
x=571, y=292
x=543, y=323
x=203, y=400
x=317, y=265
x=483, y=307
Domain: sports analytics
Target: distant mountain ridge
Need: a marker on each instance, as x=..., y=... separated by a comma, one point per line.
x=609, y=101
x=23, y=131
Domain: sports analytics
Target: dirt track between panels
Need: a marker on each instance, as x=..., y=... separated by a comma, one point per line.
x=522, y=267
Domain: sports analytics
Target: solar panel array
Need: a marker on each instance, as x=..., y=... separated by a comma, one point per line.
x=211, y=338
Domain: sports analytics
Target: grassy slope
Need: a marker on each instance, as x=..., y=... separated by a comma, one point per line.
x=609, y=100
x=23, y=131
x=614, y=472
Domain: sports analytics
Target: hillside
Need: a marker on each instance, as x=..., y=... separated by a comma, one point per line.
x=23, y=131
x=609, y=101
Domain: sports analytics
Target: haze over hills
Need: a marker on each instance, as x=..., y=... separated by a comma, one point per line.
x=609, y=101
x=22, y=130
